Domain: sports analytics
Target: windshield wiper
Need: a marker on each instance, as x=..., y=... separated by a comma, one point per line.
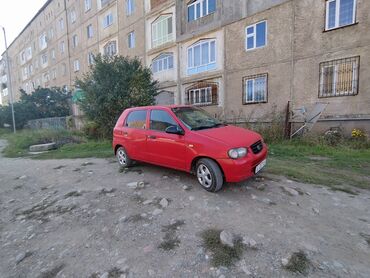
x=207, y=126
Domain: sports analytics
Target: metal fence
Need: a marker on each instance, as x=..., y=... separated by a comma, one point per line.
x=48, y=123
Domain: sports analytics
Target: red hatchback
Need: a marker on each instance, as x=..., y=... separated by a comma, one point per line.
x=187, y=138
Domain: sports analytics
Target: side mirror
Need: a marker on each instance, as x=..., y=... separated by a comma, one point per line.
x=174, y=129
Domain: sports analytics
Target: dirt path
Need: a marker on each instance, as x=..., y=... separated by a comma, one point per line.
x=79, y=218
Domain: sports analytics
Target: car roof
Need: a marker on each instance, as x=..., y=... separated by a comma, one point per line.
x=157, y=106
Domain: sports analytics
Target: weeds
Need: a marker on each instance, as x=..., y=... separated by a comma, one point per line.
x=223, y=255
x=298, y=262
x=171, y=240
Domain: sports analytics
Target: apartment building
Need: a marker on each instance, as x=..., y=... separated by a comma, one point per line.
x=240, y=60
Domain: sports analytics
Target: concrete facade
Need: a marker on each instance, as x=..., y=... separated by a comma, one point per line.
x=292, y=61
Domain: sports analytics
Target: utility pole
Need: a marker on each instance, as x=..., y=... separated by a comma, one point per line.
x=9, y=80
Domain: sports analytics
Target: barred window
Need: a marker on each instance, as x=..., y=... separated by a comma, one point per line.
x=255, y=88
x=339, y=77
x=203, y=93
x=110, y=49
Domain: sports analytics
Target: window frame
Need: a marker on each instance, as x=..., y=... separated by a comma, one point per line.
x=109, y=46
x=201, y=12
x=107, y=20
x=131, y=40
x=73, y=16
x=130, y=7
x=337, y=15
x=76, y=65
x=161, y=110
x=355, y=77
x=90, y=31
x=156, y=25
x=207, y=96
x=74, y=41
x=145, y=122
x=211, y=65
x=254, y=35
x=161, y=58
x=245, y=92
x=88, y=5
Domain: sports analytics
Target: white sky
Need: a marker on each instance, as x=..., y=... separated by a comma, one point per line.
x=14, y=16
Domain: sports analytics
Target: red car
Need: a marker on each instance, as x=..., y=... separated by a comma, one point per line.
x=187, y=138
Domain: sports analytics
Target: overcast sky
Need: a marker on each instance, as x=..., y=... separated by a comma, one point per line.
x=14, y=16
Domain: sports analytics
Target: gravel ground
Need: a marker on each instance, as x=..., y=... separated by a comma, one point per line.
x=85, y=218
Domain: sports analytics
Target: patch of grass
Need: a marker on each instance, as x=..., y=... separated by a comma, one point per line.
x=366, y=237
x=4, y=131
x=19, y=143
x=338, y=166
x=299, y=263
x=223, y=255
x=98, y=149
x=170, y=242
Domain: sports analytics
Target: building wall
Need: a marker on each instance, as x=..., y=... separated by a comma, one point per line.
x=296, y=45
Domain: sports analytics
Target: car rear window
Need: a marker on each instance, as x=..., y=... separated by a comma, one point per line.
x=136, y=119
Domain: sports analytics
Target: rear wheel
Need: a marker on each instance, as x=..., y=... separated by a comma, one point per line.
x=209, y=175
x=123, y=158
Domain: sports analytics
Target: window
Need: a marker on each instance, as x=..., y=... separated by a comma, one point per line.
x=54, y=74
x=23, y=57
x=53, y=54
x=62, y=47
x=61, y=24
x=51, y=33
x=108, y=20
x=131, y=40
x=110, y=49
x=255, y=89
x=130, y=7
x=340, y=13
x=76, y=65
x=43, y=41
x=162, y=62
x=204, y=93
x=162, y=30
x=160, y=120
x=73, y=16
x=90, y=58
x=90, y=32
x=25, y=73
x=63, y=69
x=339, y=77
x=136, y=119
x=74, y=41
x=202, y=56
x=256, y=35
x=200, y=8
x=28, y=53
x=87, y=5
x=44, y=59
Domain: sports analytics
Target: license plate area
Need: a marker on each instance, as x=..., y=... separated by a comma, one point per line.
x=260, y=166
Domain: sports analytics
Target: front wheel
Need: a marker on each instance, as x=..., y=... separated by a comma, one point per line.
x=209, y=175
x=123, y=158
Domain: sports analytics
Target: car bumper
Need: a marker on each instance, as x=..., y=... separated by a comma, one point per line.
x=236, y=170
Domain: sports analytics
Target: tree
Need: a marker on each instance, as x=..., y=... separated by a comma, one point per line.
x=42, y=103
x=112, y=85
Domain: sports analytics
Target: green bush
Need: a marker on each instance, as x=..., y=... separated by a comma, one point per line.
x=112, y=85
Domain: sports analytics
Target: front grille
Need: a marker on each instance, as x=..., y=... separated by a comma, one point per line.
x=257, y=147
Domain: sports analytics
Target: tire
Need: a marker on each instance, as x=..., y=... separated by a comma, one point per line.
x=209, y=175
x=122, y=157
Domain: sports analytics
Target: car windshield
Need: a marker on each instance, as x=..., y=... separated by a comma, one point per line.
x=195, y=118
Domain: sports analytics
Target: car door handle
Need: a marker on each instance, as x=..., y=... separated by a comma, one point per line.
x=124, y=133
x=152, y=137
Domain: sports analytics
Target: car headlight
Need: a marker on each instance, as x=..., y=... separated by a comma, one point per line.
x=237, y=153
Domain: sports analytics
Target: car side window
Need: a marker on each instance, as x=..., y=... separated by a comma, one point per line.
x=136, y=119
x=160, y=120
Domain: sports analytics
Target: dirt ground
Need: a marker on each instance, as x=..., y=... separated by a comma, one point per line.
x=85, y=218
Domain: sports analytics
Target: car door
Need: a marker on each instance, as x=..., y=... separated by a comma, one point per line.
x=134, y=133
x=163, y=148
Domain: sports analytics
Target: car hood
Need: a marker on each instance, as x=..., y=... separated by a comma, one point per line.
x=231, y=136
